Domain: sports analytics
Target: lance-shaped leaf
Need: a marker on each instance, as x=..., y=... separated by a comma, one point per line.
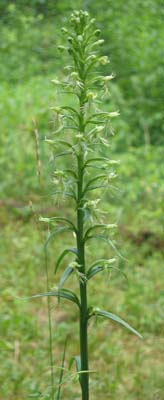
x=77, y=360
x=59, y=219
x=65, y=194
x=101, y=226
x=108, y=241
x=113, y=317
x=93, y=180
x=67, y=272
x=64, y=143
x=63, y=254
x=97, y=267
x=56, y=232
x=78, y=363
x=71, y=172
x=72, y=109
x=64, y=293
x=95, y=159
x=62, y=153
x=94, y=187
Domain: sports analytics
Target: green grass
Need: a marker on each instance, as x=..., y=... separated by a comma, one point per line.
x=124, y=366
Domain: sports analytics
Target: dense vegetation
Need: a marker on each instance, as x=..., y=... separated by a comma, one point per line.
x=134, y=35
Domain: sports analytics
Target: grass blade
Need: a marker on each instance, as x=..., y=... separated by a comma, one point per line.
x=61, y=372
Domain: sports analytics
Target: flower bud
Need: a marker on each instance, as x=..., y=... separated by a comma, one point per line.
x=79, y=136
x=74, y=75
x=61, y=48
x=77, y=20
x=91, y=96
x=99, y=42
x=97, y=32
x=108, y=77
x=56, y=109
x=92, y=57
x=64, y=30
x=104, y=60
x=111, y=226
x=70, y=39
x=112, y=175
x=111, y=162
x=55, y=81
x=76, y=12
x=114, y=114
x=99, y=128
x=80, y=38
x=44, y=219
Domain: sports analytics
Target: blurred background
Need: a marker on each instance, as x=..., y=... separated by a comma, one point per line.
x=134, y=37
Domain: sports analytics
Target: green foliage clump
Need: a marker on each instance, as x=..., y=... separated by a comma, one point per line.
x=134, y=36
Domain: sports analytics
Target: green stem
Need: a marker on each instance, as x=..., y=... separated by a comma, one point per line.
x=84, y=376
x=50, y=326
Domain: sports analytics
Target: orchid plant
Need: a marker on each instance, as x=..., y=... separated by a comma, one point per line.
x=81, y=133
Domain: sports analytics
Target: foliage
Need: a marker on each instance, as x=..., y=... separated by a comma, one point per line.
x=134, y=34
x=134, y=37
x=137, y=365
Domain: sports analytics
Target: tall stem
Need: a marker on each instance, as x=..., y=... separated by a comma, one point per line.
x=84, y=377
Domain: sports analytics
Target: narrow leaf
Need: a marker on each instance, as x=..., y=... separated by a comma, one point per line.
x=95, y=179
x=64, y=293
x=108, y=241
x=94, y=187
x=101, y=226
x=64, y=142
x=68, y=271
x=78, y=363
x=58, y=219
x=91, y=160
x=61, y=372
x=62, y=153
x=113, y=317
x=77, y=360
x=70, y=109
x=63, y=254
x=56, y=232
x=71, y=172
x=93, y=271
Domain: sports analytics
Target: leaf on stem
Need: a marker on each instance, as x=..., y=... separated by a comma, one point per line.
x=95, y=179
x=108, y=241
x=96, y=267
x=62, y=153
x=113, y=317
x=78, y=363
x=64, y=293
x=63, y=254
x=56, y=232
x=104, y=227
x=67, y=272
x=59, y=219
